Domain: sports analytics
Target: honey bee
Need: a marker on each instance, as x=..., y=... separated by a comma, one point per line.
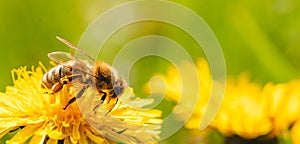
x=95, y=73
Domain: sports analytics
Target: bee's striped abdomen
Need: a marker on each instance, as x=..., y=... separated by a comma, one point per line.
x=54, y=75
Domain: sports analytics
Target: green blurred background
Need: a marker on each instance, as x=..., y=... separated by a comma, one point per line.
x=258, y=37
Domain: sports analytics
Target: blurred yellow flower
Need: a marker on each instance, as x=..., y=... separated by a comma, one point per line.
x=243, y=111
x=248, y=109
x=283, y=104
x=174, y=86
x=295, y=132
x=43, y=119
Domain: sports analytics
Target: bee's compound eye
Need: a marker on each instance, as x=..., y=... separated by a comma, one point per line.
x=119, y=87
x=118, y=90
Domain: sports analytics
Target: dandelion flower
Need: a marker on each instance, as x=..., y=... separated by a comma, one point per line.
x=295, y=132
x=43, y=119
x=283, y=104
x=174, y=86
x=249, y=111
x=242, y=112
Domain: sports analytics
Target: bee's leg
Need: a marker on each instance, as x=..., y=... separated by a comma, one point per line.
x=65, y=80
x=46, y=139
x=118, y=89
x=112, y=107
x=79, y=94
x=103, y=97
x=57, y=87
x=101, y=100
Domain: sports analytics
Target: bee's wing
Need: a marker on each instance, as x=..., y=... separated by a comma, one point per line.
x=60, y=57
x=81, y=53
x=64, y=57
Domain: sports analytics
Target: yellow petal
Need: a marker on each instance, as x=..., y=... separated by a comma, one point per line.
x=83, y=140
x=83, y=137
x=75, y=132
x=295, y=133
x=4, y=131
x=37, y=139
x=67, y=141
x=52, y=141
x=56, y=134
x=24, y=134
x=10, y=122
x=94, y=138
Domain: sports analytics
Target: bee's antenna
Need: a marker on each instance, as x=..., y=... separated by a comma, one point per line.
x=76, y=48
